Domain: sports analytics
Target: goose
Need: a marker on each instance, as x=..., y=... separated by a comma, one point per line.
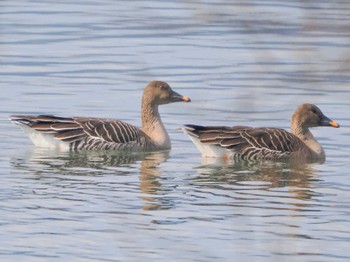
x=250, y=143
x=87, y=133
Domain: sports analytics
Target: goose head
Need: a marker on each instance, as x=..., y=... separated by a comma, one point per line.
x=309, y=115
x=160, y=93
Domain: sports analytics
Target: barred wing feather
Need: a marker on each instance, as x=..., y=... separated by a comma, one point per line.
x=109, y=130
x=84, y=133
x=247, y=142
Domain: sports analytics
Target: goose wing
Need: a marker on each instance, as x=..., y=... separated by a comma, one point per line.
x=248, y=142
x=109, y=130
x=78, y=128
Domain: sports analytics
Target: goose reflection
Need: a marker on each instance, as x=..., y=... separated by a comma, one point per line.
x=84, y=159
x=298, y=177
x=150, y=185
x=57, y=165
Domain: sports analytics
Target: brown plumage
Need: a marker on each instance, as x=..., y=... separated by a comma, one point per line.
x=242, y=142
x=98, y=133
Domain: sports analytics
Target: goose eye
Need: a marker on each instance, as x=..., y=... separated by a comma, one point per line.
x=313, y=111
x=163, y=88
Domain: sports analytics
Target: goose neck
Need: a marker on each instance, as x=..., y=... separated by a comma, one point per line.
x=153, y=126
x=306, y=136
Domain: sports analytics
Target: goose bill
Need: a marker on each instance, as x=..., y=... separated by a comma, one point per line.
x=175, y=97
x=328, y=122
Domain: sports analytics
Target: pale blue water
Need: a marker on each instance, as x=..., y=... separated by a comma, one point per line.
x=241, y=62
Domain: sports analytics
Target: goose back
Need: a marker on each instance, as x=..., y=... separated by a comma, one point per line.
x=86, y=133
x=242, y=142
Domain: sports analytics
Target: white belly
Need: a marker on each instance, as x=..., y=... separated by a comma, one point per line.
x=208, y=150
x=47, y=140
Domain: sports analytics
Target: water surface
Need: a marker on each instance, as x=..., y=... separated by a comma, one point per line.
x=241, y=62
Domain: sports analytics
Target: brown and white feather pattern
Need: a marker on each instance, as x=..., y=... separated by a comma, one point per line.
x=247, y=142
x=88, y=133
x=244, y=142
x=96, y=133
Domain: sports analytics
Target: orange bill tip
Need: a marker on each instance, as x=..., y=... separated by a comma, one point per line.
x=334, y=124
x=186, y=99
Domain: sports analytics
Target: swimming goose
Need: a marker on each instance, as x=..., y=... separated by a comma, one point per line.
x=88, y=133
x=242, y=142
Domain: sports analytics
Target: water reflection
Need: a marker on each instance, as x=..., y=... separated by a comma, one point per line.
x=53, y=159
x=149, y=180
x=298, y=178
x=65, y=164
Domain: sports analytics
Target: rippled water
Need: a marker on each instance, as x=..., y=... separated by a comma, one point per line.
x=241, y=62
